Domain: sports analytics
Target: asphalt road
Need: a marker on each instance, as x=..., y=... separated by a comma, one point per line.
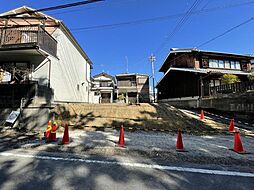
x=32, y=170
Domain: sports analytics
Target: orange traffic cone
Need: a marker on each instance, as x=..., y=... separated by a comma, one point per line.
x=231, y=126
x=46, y=132
x=52, y=135
x=121, y=137
x=238, y=147
x=202, y=115
x=65, y=139
x=179, y=141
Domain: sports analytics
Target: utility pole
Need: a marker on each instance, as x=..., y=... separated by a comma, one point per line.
x=152, y=60
x=127, y=63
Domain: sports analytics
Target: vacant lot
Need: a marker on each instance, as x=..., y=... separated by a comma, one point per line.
x=143, y=116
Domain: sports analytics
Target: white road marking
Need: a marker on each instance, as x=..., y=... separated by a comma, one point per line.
x=138, y=165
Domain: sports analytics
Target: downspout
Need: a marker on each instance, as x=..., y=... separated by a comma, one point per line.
x=88, y=88
x=89, y=83
x=49, y=69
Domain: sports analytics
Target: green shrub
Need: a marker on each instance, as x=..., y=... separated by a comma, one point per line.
x=251, y=76
x=121, y=97
x=229, y=79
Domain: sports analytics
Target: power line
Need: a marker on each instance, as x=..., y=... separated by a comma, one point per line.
x=53, y=8
x=155, y=19
x=216, y=37
x=179, y=25
x=227, y=31
x=118, y=3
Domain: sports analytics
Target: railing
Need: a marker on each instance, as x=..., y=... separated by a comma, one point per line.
x=232, y=88
x=26, y=36
x=126, y=84
x=106, y=84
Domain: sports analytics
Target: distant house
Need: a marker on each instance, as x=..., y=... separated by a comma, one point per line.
x=103, y=88
x=40, y=59
x=134, y=87
x=252, y=64
x=191, y=72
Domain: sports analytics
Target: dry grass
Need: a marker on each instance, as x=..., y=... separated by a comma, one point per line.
x=144, y=116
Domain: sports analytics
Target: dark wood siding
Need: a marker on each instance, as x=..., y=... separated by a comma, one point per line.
x=179, y=84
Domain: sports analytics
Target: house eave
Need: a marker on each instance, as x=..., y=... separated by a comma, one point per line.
x=74, y=42
x=204, y=71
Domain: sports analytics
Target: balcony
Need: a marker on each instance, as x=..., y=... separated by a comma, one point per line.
x=26, y=37
x=126, y=84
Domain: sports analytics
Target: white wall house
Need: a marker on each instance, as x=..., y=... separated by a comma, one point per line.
x=52, y=56
x=103, y=88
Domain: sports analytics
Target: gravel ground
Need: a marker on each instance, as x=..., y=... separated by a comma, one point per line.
x=157, y=145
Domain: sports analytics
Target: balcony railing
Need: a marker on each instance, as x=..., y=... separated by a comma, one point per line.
x=27, y=36
x=232, y=88
x=126, y=84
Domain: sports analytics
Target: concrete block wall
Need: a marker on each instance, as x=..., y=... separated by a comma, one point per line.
x=239, y=102
x=235, y=102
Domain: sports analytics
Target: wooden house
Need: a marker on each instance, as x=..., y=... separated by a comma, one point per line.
x=191, y=72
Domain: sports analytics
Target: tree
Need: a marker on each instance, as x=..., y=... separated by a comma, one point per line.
x=121, y=97
x=229, y=79
x=251, y=76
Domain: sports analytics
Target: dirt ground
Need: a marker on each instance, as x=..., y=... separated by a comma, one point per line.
x=156, y=117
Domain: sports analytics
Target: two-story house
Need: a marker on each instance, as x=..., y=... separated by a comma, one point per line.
x=103, y=88
x=40, y=59
x=135, y=87
x=190, y=72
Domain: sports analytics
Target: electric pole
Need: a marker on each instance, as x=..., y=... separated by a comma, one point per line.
x=152, y=60
x=127, y=63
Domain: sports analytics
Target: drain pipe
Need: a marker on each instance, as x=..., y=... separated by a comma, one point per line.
x=49, y=69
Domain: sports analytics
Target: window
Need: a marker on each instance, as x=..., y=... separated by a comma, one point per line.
x=232, y=63
x=104, y=84
x=237, y=65
x=213, y=63
x=227, y=65
x=210, y=63
x=221, y=64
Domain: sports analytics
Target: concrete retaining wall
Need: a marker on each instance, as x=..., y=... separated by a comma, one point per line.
x=235, y=102
x=239, y=102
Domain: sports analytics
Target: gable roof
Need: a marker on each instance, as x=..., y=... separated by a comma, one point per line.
x=29, y=16
x=103, y=74
x=131, y=74
x=195, y=50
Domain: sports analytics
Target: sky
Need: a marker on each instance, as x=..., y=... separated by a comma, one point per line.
x=120, y=35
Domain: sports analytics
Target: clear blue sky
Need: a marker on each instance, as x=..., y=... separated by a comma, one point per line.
x=108, y=47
